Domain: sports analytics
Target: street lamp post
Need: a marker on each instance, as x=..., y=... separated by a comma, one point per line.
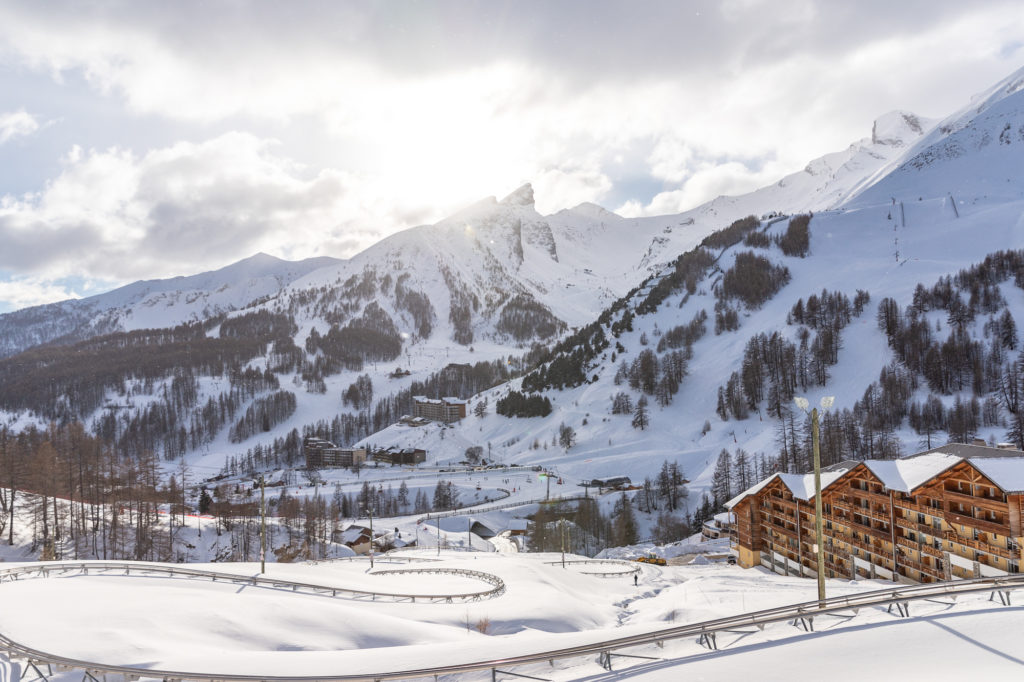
x=263, y=526
x=561, y=536
x=369, y=512
x=819, y=543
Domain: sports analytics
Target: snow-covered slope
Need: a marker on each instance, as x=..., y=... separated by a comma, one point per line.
x=154, y=303
x=974, y=155
x=901, y=230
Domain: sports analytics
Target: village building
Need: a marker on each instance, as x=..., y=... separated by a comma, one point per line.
x=323, y=454
x=718, y=526
x=400, y=456
x=951, y=512
x=356, y=538
x=446, y=410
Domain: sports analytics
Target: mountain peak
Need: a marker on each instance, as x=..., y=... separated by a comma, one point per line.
x=521, y=197
x=897, y=129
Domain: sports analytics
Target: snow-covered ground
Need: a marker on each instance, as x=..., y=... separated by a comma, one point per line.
x=216, y=627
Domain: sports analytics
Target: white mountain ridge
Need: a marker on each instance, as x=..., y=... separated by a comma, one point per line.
x=157, y=303
x=576, y=261
x=858, y=241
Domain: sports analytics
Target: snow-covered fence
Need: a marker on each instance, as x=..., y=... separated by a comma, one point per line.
x=494, y=507
x=46, y=570
x=630, y=566
x=801, y=615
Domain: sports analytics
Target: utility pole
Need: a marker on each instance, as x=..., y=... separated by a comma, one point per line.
x=818, y=538
x=263, y=526
x=561, y=532
x=369, y=512
x=819, y=542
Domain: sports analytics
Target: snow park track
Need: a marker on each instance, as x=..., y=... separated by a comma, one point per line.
x=123, y=568
x=897, y=600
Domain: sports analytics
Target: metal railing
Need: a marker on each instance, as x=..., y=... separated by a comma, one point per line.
x=799, y=614
x=630, y=566
x=45, y=570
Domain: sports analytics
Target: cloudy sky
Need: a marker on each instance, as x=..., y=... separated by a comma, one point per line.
x=142, y=140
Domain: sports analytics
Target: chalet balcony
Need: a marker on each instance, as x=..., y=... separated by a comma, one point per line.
x=983, y=546
x=878, y=498
x=914, y=506
x=907, y=542
x=918, y=527
x=840, y=569
x=874, y=548
x=876, y=514
x=789, y=504
x=905, y=562
x=931, y=551
x=952, y=496
x=980, y=524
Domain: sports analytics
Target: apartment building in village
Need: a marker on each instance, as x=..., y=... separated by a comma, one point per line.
x=951, y=512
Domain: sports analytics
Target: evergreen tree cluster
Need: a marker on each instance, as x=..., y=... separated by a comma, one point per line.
x=753, y=279
x=654, y=376
x=462, y=305
x=359, y=393
x=416, y=304
x=684, y=336
x=370, y=337
x=797, y=239
x=516, y=404
x=259, y=324
x=264, y=414
x=65, y=383
x=569, y=361
x=523, y=318
x=732, y=235
x=727, y=318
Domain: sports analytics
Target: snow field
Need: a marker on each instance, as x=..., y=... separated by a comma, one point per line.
x=197, y=625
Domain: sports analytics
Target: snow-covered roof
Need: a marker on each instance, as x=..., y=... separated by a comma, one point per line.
x=801, y=485
x=750, y=491
x=1005, y=472
x=1004, y=468
x=907, y=474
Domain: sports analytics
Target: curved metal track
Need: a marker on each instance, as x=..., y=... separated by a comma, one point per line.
x=898, y=597
x=46, y=570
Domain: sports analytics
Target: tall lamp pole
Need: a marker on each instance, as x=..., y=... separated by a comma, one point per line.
x=819, y=542
x=369, y=512
x=263, y=526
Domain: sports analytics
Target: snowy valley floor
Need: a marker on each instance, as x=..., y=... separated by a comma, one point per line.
x=214, y=627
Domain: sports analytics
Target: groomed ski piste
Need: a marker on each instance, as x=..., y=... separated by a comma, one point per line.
x=467, y=616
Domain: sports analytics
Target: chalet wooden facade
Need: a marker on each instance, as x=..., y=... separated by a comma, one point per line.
x=952, y=512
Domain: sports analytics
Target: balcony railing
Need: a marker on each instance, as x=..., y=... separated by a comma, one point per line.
x=919, y=566
x=997, y=504
x=980, y=524
x=983, y=546
x=855, y=493
x=918, y=527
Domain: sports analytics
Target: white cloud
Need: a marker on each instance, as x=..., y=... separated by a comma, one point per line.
x=23, y=292
x=411, y=116
x=702, y=185
x=114, y=215
x=16, y=124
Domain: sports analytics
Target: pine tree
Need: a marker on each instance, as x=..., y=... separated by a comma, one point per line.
x=624, y=524
x=641, y=419
x=721, y=479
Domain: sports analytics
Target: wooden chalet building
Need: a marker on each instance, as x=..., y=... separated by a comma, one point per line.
x=951, y=512
x=446, y=410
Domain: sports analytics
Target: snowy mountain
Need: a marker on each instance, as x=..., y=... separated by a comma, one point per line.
x=883, y=224
x=154, y=303
x=622, y=297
